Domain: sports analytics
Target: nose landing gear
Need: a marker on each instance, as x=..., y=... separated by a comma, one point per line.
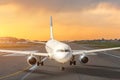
x=62, y=68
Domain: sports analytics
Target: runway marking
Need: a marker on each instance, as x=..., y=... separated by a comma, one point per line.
x=31, y=70
x=13, y=74
x=112, y=55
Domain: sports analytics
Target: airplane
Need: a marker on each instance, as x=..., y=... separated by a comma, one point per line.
x=58, y=51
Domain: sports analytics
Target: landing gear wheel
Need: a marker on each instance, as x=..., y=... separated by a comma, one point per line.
x=38, y=63
x=74, y=62
x=70, y=62
x=62, y=68
x=42, y=63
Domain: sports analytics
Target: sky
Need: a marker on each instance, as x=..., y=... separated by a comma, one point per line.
x=72, y=19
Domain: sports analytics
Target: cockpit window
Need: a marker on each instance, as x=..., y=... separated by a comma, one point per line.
x=66, y=50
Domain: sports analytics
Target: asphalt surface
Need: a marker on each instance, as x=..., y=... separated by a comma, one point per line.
x=103, y=66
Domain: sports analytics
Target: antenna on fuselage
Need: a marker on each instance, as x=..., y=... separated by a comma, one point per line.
x=51, y=28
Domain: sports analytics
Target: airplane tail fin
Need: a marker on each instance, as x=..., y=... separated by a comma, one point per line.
x=51, y=28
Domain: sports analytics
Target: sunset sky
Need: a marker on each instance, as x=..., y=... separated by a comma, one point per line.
x=72, y=19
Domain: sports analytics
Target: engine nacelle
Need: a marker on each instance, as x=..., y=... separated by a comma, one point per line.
x=83, y=59
x=32, y=60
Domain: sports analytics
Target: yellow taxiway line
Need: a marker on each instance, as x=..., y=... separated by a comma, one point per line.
x=15, y=73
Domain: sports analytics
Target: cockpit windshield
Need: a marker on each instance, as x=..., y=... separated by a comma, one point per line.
x=62, y=50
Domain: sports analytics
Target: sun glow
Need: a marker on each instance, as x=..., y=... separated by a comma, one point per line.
x=98, y=22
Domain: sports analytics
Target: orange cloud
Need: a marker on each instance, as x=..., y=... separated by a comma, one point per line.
x=97, y=22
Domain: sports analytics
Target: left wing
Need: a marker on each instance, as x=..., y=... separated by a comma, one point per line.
x=24, y=52
x=77, y=52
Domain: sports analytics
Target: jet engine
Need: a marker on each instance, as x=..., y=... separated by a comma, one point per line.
x=32, y=60
x=83, y=59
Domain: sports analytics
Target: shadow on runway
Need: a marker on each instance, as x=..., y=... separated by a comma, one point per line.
x=99, y=71
x=47, y=74
x=91, y=70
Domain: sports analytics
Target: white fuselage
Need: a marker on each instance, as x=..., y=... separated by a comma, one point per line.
x=58, y=51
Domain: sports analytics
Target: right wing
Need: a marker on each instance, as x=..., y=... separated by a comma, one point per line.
x=77, y=52
x=24, y=52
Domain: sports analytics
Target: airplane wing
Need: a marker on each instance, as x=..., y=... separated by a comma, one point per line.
x=77, y=52
x=24, y=52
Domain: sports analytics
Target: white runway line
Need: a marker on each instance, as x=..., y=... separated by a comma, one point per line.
x=13, y=74
x=31, y=70
x=112, y=55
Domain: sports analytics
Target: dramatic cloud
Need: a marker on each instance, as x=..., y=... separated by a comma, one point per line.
x=59, y=5
x=82, y=19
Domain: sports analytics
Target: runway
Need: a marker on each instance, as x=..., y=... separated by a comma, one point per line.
x=104, y=66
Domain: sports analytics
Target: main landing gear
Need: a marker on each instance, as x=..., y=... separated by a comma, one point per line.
x=40, y=63
x=73, y=62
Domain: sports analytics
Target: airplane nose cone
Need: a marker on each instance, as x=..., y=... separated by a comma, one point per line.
x=62, y=57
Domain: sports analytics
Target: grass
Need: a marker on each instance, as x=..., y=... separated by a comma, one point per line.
x=101, y=44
